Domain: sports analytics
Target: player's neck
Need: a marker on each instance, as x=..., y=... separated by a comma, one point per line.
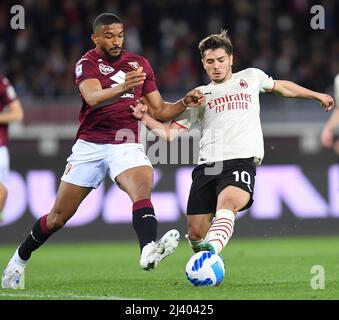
x=106, y=57
x=225, y=80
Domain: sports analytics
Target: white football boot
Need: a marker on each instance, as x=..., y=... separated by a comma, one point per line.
x=14, y=275
x=156, y=251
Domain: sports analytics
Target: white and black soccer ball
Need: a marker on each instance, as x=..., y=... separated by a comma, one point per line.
x=205, y=269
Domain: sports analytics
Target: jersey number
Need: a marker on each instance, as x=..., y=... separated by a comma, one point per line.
x=244, y=176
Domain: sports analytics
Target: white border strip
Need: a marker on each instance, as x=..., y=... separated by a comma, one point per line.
x=64, y=296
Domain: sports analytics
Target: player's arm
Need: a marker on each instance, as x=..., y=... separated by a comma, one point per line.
x=290, y=89
x=165, y=111
x=13, y=113
x=333, y=122
x=328, y=130
x=165, y=131
x=93, y=93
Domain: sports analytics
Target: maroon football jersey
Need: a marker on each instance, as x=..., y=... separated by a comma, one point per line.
x=7, y=95
x=112, y=121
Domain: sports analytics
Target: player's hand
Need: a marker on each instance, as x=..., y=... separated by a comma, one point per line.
x=133, y=79
x=139, y=110
x=327, y=137
x=194, y=98
x=326, y=101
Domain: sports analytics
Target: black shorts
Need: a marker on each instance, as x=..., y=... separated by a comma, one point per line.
x=207, y=185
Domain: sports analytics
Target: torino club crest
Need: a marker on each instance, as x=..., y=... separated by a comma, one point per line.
x=105, y=70
x=135, y=65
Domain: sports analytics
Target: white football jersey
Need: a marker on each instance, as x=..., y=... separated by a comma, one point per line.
x=336, y=89
x=230, y=119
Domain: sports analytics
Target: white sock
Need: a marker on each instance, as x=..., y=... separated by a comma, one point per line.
x=221, y=229
x=16, y=258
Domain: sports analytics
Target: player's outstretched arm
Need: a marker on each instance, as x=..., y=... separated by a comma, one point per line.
x=13, y=114
x=165, y=111
x=164, y=131
x=94, y=94
x=290, y=89
x=328, y=130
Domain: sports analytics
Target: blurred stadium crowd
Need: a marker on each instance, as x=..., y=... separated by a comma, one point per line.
x=275, y=36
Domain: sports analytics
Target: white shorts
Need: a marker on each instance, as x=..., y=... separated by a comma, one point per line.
x=4, y=165
x=90, y=162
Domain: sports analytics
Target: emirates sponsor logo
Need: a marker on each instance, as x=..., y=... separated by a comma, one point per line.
x=104, y=69
x=238, y=101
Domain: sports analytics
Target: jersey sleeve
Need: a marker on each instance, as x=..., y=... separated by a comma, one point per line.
x=336, y=90
x=149, y=83
x=187, y=118
x=266, y=83
x=85, y=69
x=7, y=92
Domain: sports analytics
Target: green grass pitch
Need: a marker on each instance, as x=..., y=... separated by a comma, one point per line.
x=271, y=268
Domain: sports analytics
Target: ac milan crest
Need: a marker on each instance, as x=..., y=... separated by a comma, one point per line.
x=243, y=84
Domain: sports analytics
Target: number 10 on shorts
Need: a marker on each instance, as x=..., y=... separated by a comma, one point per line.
x=244, y=176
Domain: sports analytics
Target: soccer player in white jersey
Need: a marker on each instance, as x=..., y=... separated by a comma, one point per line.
x=332, y=123
x=231, y=142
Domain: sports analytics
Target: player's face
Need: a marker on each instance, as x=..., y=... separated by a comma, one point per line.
x=218, y=64
x=109, y=39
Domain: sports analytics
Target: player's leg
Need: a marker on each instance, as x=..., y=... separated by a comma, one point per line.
x=198, y=226
x=4, y=174
x=137, y=182
x=68, y=199
x=201, y=206
x=84, y=171
x=3, y=198
x=235, y=191
x=230, y=201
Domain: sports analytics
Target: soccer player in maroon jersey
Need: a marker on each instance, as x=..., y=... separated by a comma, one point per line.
x=109, y=79
x=10, y=111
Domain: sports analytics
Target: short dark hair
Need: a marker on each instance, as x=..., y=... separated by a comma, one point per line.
x=216, y=41
x=105, y=19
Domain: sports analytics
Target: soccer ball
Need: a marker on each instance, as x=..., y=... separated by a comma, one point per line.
x=205, y=269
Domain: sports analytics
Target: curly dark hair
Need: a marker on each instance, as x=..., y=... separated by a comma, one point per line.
x=216, y=41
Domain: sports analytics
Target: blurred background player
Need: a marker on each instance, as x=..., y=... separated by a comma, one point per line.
x=231, y=144
x=109, y=80
x=10, y=111
x=332, y=123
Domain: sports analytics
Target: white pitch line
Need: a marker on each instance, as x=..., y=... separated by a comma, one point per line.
x=67, y=296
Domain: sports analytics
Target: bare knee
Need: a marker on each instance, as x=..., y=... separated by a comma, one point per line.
x=3, y=195
x=230, y=204
x=233, y=198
